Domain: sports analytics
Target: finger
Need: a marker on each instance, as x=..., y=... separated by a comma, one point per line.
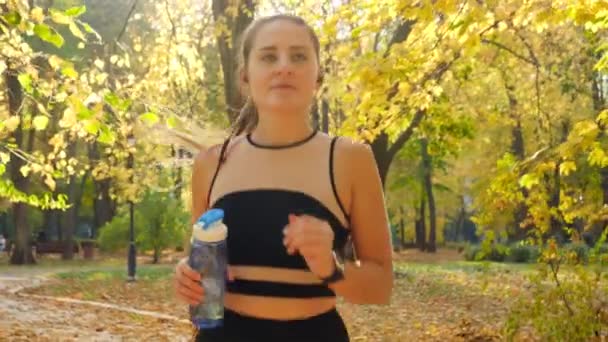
x=188, y=272
x=308, y=242
x=187, y=290
x=189, y=296
x=186, y=280
x=191, y=286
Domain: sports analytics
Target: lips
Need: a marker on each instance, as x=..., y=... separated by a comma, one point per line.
x=283, y=86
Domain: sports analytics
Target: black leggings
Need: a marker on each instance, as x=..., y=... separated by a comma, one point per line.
x=325, y=327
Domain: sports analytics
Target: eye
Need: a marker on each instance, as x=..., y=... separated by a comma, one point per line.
x=299, y=57
x=269, y=57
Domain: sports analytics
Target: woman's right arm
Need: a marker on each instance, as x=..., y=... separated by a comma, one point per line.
x=186, y=280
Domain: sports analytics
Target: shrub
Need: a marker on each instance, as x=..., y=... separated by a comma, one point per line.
x=521, y=253
x=160, y=221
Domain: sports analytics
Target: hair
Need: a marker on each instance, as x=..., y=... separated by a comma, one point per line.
x=248, y=115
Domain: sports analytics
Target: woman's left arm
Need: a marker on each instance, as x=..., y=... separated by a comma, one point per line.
x=371, y=281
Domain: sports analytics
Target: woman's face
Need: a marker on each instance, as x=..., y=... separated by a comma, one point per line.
x=282, y=71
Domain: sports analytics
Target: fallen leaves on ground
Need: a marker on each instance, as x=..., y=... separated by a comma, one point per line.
x=451, y=301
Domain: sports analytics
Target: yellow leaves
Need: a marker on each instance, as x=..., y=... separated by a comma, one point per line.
x=40, y=122
x=59, y=17
x=76, y=31
x=4, y=157
x=101, y=78
x=99, y=64
x=567, y=167
x=69, y=118
x=12, y=123
x=37, y=14
x=55, y=62
x=50, y=182
x=25, y=170
x=598, y=156
x=529, y=180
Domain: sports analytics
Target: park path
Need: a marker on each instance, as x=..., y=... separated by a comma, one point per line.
x=25, y=317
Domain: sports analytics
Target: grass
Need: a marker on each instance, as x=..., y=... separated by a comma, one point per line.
x=113, y=273
x=437, y=299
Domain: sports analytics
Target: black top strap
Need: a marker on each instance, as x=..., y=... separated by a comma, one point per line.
x=331, y=177
x=217, y=169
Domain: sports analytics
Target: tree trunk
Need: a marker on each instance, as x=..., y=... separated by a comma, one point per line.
x=599, y=103
x=103, y=205
x=518, y=149
x=325, y=116
x=604, y=182
x=382, y=155
x=517, y=141
x=427, y=168
x=177, y=156
x=228, y=46
x=421, y=225
x=71, y=214
x=22, y=251
x=51, y=223
x=314, y=115
x=402, y=225
x=156, y=256
x=459, y=236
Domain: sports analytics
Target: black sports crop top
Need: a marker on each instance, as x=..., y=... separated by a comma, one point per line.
x=255, y=219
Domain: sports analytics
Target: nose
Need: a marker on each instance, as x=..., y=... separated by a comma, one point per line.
x=284, y=66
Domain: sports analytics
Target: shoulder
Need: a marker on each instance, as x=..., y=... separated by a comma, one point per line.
x=208, y=158
x=353, y=152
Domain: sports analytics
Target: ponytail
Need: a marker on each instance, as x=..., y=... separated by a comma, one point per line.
x=247, y=119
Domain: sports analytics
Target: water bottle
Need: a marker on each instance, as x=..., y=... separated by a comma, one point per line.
x=208, y=256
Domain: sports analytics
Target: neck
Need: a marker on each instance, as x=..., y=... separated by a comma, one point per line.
x=283, y=130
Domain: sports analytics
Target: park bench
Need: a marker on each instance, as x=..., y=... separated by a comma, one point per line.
x=52, y=247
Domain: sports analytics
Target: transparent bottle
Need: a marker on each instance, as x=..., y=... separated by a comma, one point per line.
x=208, y=256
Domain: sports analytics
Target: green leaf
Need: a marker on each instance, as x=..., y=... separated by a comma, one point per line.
x=25, y=170
x=172, y=122
x=92, y=127
x=566, y=168
x=68, y=71
x=59, y=17
x=528, y=181
x=106, y=136
x=76, y=31
x=112, y=99
x=84, y=114
x=48, y=34
x=4, y=157
x=149, y=118
x=2, y=169
x=26, y=82
x=40, y=122
x=76, y=11
x=13, y=18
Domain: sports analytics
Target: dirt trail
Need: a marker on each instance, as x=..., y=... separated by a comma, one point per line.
x=35, y=318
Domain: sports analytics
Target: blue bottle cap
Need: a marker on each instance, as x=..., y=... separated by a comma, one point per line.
x=210, y=217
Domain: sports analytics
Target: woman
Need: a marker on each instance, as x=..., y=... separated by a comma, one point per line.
x=291, y=197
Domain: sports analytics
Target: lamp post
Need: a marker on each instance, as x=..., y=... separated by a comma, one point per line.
x=132, y=252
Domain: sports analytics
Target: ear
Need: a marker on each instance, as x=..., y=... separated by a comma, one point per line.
x=243, y=77
x=244, y=83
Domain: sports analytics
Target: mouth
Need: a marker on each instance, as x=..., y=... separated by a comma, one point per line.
x=283, y=86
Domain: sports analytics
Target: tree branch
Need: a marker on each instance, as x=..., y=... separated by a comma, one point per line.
x=401, y=34
x=406, y=135
x=124, y=26
x=506, y=48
